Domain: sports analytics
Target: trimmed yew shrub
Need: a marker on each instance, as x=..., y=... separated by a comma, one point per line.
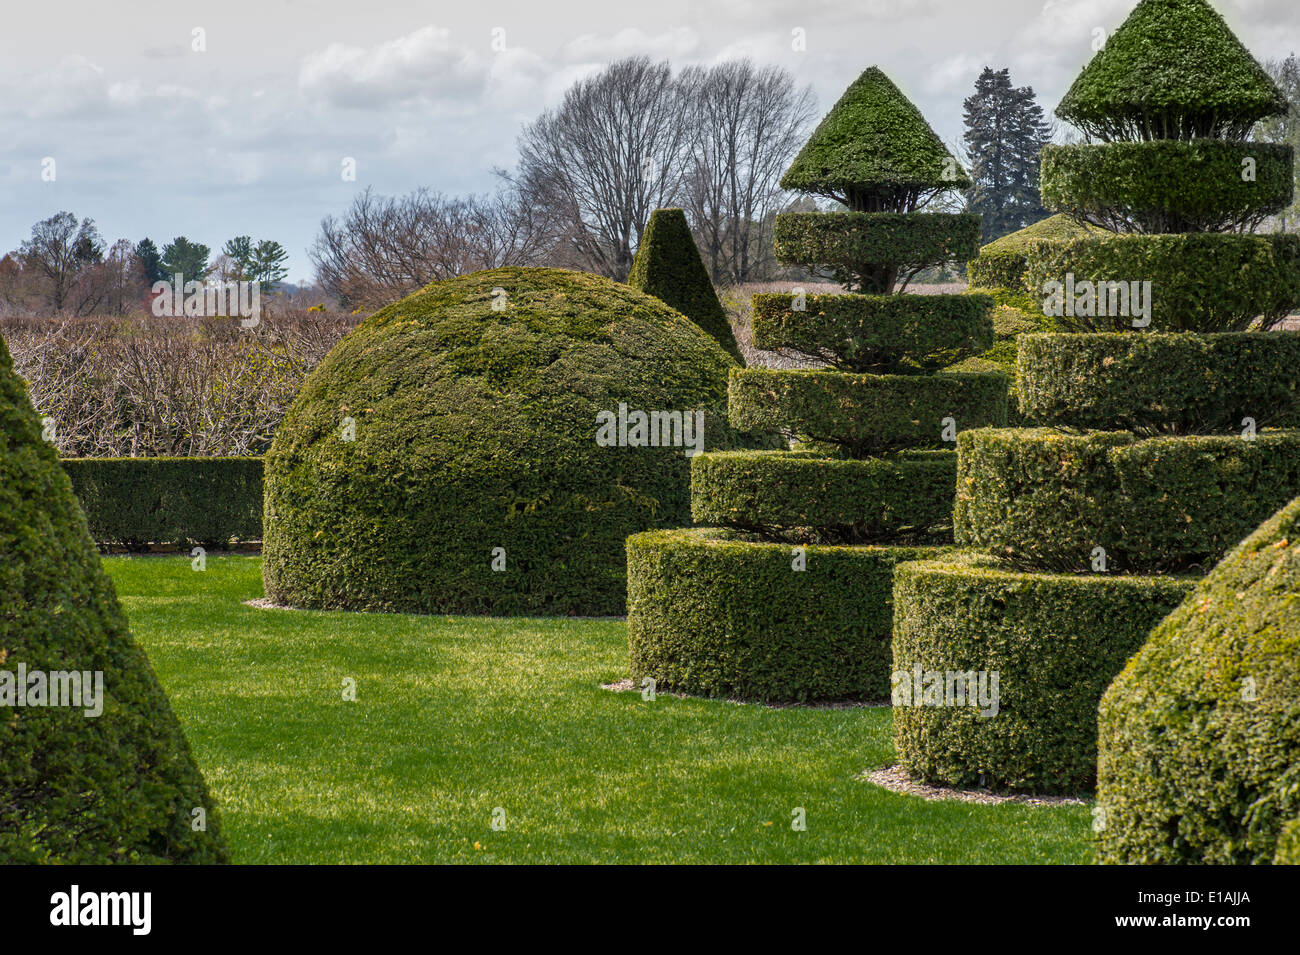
x=668, y=266
x=1055, y=642
x=1200, y=734
x=465, y=418
x=119, y=786
x=715, y=612
x=1001, y=264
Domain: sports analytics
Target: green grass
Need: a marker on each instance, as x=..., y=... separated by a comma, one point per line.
x=456, y=716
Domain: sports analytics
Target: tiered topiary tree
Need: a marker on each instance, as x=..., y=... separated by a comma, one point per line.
x=1090, y=537
x=668, y=266
x=1200, y=734
x=79, y=786
x=787, y=597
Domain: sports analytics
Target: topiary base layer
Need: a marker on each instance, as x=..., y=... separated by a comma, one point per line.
x=719, y=613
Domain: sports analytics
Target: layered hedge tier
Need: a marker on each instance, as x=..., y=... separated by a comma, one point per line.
x=786, y=492
x=1047, y=499
x=1001, y=263
x=1200, y=733
x=1162, y=186
x=866, y=414
x=875, y=333
x=716, y=613
x=899, y=239
x=1198, y=283
x=1052, y=642
x=1168, y=383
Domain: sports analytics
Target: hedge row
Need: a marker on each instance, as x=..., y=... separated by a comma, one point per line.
x=1199, y=283
x=1173, y=383
x=716, y=613
x=898, y=239
x=134, y=502
x=1001, y=263
x=1055, y=642
x=1164, y=186
x=1042, y=498
x=847, y=500
x=866, y=414
x=880, y=333
x=1200, y=734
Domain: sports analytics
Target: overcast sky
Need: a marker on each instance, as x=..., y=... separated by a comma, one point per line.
x=151, y=137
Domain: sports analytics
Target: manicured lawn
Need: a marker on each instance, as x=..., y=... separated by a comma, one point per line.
x=457, y=716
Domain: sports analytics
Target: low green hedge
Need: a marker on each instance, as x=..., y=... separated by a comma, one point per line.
x=134, y=502
x=1170, y=383
x=1055, y=642
x=1042, y=498
x=866, y=414
x=1200, y=734
x=850, y=240
x=880, y=333
x=1168, y=185
x=846, y=500
x=1001, y=264
x=1199, y=283
x=717, y=613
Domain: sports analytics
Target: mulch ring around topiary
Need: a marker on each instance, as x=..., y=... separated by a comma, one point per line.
x=627, y=686
x=896, y=780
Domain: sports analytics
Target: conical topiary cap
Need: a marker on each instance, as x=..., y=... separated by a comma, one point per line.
x=120, y=786
x=1173, y=70
x=873, y=139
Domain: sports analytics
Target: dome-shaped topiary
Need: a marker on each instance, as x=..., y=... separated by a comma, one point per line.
x=668, y=266
x=478, y=448
x=874, y=152
x=1199, y=736
x=76, y=786
x=1172, y=70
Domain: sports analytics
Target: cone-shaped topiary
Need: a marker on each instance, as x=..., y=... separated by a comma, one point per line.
x=668, y=266
x=1199, y=736
x=874, y=152
x=1172, y=70
x=486, y=444
x=120, y=786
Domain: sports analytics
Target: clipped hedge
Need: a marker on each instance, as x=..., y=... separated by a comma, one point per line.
x=182, y=501
x=79, y=787
x=1200, y=734
x=1199, y=283
x=846, y=500
x=881, y=333
x=1174, y=383
x=477, y=424
x=1001, y=264
x=854, y=243
x=1166, y=186
x=668, y=266
x=716, y=613
x=866, y=413
x=1043, y=498
x=1055, y=642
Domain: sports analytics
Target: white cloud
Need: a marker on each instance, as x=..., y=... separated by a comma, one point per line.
x=678, y=43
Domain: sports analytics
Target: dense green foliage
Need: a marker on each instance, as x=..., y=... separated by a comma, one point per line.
x=858, y=245
x=866, y=414
x=1043, y=498
x=1288, y=844
x=475, y=405
x=1200, y=734
x=1166, y=186
x=1054, y=640
x=1199, y=283
x=875, y=333
x=1002, y=263
x=1175, y=383
x=719, y=613
x=874, y=152
x=140, y=501
x=1172, y=70
x=668, y=266
x=78, y=787
x=802, y=495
